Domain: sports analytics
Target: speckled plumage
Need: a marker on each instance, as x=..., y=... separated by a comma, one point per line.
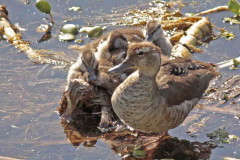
x=146, y=102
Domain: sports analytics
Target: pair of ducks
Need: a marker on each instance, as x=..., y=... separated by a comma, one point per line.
x=153, y=96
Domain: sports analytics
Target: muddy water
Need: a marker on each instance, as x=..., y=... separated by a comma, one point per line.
x=29, y=93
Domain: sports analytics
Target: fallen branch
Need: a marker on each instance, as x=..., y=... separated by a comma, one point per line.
x=9, y=158
x=197, y=32
x=215, y=9
x=227, y=63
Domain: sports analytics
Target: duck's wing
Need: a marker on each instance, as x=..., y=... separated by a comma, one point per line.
x=182, y=80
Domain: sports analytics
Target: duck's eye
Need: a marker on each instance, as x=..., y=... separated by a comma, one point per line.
x=141, y=53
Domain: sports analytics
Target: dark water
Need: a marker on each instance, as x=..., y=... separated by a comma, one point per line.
x=30, y=93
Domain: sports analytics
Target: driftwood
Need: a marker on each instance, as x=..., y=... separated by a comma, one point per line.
x=212, y=10
x=9, y=158
x=197, y=32
x=227, y=63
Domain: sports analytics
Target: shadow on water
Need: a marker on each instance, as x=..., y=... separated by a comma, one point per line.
x=30, y=93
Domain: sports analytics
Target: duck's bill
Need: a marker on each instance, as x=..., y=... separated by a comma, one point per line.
x=149, y=38
x=120, y=68
x=91, y=74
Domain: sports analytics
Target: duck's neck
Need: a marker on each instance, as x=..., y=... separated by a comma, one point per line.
x=164, y=44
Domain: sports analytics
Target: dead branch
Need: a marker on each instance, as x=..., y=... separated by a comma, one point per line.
x=197, y=32
x=227, y=63
x=9, y=158
x=215, y=9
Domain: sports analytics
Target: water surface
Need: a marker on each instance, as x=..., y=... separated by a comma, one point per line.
x=30, y=93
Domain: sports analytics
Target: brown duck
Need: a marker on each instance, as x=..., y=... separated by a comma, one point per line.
x=158, y=97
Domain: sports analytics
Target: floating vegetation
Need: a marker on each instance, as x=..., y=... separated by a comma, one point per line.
x=68, y=32
x=235, y=65
x=70, y=28
x=94, y=31
x=43, y=28
x=79, y=41
x=232, y=20
x=228, y=35
x=221, y=136
x=66, y=37
x=234, y=6
x=75, y=8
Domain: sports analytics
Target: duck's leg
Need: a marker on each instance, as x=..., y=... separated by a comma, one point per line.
x=106, y=119
x=103, y=100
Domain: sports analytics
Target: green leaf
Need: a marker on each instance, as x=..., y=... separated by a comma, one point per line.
x=234, y=6
x=69, y=28
x=92, y=31
x=236, y=63
x=43, y=6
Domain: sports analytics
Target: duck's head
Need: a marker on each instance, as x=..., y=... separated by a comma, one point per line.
x=153, y=31
x=116, y=43
x=143, y=56
x=117, y=40
x=88, y=63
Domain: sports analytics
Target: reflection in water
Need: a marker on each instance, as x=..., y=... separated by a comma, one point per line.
x=130, y=145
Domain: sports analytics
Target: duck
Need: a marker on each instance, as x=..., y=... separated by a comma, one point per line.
x=158, y=96
x=110, y=53
x=154, y=33
x=84, y=67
